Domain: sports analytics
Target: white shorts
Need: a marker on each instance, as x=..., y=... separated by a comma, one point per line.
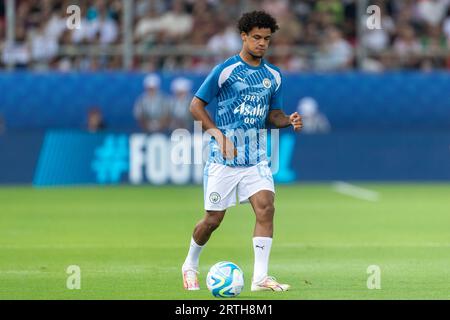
x=221, y=184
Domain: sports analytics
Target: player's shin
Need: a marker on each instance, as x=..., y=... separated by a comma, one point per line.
x=193, y=256
x=261, y=247
x=189, y=269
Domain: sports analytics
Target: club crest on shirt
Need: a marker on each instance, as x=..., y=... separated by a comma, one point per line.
x=267, y=83
x=214, y=197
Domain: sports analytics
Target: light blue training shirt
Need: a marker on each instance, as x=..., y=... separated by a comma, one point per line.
x=245, y=96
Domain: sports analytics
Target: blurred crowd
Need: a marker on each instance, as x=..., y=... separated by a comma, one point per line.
x=157, y=111
x=154, y=110
x=313, y=35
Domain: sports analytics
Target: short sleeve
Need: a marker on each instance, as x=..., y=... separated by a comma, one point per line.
x=277, y=98
x=210, y=87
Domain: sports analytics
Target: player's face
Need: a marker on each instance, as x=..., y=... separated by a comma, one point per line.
x=256, y=42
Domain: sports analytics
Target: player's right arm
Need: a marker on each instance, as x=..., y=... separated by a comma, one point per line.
x=205, y=94
x=197, y=108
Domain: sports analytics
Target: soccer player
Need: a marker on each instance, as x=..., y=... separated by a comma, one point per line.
x=249, y=94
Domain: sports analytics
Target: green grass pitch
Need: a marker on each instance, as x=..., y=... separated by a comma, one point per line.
x=130, y=242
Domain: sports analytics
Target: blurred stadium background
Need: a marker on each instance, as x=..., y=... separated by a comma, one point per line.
x=91, y=110
x=193, y=35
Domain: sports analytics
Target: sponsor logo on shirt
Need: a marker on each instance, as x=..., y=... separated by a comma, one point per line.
x=247, y=110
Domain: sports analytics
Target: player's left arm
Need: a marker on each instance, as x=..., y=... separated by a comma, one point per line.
x=276, y=115
x=280, y=120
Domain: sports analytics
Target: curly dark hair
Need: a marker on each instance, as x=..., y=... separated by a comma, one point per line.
x=257, y=19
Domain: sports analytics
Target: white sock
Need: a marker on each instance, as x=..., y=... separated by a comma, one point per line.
x=261, y=246
x=193, y=255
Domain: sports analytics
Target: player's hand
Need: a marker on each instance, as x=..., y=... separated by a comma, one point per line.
x=296, y=120
x=227, y=148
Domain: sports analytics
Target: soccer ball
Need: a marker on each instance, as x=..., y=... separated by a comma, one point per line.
x=225, y=280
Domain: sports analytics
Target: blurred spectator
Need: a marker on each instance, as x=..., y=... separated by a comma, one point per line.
x=446, y=27
x=286, y=60
x=152, y=109
x=17, y=53
x=313, y=120
x=56, y=24
x=205, y=23
x=432, y=11
x=180, y=116
x=95, y=120
x=101, y=28
x=44, y=46
x=290, y=32
x=332, y=8
x=433, y=41
x=276, y=8
x=148, y=26
x=229, y=9
x=106, y=28
x=407, y=47
x=372, y=64
x=176, y=23
x=225, y=42
x=336, y=53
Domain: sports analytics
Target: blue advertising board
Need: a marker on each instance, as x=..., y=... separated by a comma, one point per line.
x=79, y=158
x=389, y=101
x=391, y=126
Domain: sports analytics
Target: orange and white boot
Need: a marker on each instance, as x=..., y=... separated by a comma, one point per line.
x=269, y=283
x=190, y=279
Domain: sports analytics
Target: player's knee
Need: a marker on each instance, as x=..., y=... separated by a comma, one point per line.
x=213, y=221
x=266, y=213
x=212, y=224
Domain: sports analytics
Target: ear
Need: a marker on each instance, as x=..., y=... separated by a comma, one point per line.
x=243, y=36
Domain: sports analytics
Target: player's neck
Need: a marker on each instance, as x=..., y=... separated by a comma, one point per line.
x=248, y=58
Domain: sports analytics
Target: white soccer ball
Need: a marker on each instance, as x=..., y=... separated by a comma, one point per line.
x=225, y=280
